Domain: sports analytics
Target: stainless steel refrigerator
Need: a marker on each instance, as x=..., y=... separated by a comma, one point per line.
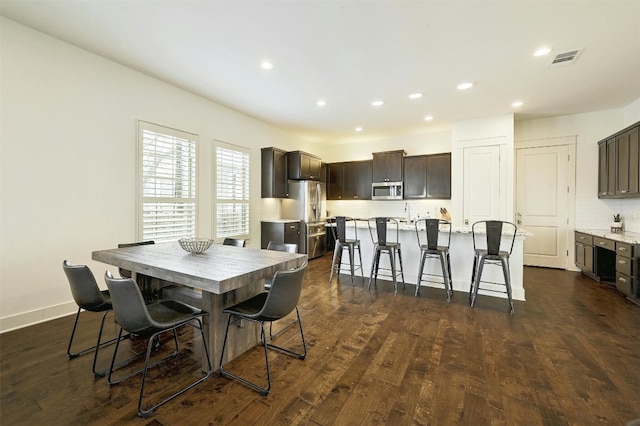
x=307, y=202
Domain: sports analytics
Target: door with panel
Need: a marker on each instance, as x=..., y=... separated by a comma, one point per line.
x=542, y=198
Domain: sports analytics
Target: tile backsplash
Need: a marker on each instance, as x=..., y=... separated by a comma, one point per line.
x=412, y=209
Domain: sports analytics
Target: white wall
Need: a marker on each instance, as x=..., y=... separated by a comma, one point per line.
x=589, y=128
x=68, y=171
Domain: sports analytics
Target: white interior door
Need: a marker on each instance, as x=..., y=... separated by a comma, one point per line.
x=482, y=184
x=542, y=204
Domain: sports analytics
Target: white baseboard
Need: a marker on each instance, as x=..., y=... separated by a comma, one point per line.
x=26, y=319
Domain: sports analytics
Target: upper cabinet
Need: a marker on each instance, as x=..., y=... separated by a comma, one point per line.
x=349, y=180
x=274, y=173
x=303, y=166
x=388, y=166
x=619, y=164
x=427, y=176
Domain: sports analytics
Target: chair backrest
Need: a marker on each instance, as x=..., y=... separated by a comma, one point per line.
x=284, y=293
x=233, y=242
x=128, y=304
x=124, y=272
x=84, y=287
x=431, y=228
x=339, y=227
x=381, y=229
x=287, y=247
x=495, y=230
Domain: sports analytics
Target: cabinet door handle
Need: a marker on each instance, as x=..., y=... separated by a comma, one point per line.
x=622, y=279
x=622, y=249
x=622, y=262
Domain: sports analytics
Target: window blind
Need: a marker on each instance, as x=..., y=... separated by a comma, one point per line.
x=232, y=190
x=167, y=164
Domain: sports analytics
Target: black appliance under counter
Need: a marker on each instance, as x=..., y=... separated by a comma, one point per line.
x=281, y=231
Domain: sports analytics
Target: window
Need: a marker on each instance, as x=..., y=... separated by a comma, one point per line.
x=167, y=176
x=232, y=190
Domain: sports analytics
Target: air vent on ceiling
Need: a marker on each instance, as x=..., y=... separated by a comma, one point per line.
x=565, y=58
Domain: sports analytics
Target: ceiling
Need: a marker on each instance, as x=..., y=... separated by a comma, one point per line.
x=350, y=53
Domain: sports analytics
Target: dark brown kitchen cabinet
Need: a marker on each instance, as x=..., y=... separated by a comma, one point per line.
x=304, y=166
x=274, y=173
x=279, y=231
x=619, y=164
x=388, y=166
x=427, y=176
x=627, y=162
x=350, y=180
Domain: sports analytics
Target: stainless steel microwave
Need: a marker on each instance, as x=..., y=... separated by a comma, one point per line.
x=386, y=191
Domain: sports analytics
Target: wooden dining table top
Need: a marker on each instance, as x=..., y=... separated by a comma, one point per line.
x=218, y=270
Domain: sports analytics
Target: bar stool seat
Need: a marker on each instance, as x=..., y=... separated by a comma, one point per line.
x=493, y=252
x=339, y=228
x=431, y=250
x=383, y=244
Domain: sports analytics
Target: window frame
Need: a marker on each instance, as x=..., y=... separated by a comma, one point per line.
x=216, y=200
x=144, y=126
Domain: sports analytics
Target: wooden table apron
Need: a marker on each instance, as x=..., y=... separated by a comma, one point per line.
x=225, y=274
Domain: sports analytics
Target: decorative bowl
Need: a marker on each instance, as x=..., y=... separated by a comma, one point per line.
x=195, y=245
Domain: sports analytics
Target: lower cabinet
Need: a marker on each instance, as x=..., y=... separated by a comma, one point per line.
x=608, y=260
x=280, y=232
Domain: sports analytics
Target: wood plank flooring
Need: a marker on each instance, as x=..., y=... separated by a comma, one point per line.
x=569, y=356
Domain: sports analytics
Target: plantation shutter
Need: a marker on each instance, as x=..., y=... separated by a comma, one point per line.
x=232, y=190
x=167, y=173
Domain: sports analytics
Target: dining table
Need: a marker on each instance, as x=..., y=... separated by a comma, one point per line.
x=220, y=277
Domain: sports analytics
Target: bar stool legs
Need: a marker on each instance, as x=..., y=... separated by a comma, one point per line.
x=477, y=275
x=392, y=251
x=336, y=264
x=445, y=265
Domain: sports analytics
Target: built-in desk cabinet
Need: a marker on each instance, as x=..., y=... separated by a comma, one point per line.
x=608, y=260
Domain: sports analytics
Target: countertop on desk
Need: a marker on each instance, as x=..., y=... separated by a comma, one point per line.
x=625, y=237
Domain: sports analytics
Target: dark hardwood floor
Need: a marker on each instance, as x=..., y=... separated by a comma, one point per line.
x=569, y=356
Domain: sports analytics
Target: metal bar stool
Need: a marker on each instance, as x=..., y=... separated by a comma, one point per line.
x=339, y=230
x=493, y=251
x=431, y=229
x=382, y=243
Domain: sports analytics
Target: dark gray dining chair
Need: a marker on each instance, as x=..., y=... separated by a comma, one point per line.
x=89, y=297
x=269, y=306
x=435, y=248
x=150, y=321
x=492, y=249
x=288, y=248
x=234, y=242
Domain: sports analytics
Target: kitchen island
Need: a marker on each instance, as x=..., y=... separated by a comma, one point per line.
x=461, y=252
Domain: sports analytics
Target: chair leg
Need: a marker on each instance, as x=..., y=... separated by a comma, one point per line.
x=507, y=282
x=374, y=263
x=264, y=391
x=476, y=284
x=146, y=412
x=333, y=262
x=450, y=276
x=361, y=268
x=351, y=260
x=473, y=275
x=392, y=260
x=445, y=275
x=401, y=267
x=423, y=257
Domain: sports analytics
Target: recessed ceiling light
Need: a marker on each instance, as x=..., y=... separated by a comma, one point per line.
x=358, y=129
x=465, y=86
x=415, y=96
x=428, y=118
x=517, y=104
x=542, y=51
x=321, y=102
x=377, y=103
x=266, y=65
